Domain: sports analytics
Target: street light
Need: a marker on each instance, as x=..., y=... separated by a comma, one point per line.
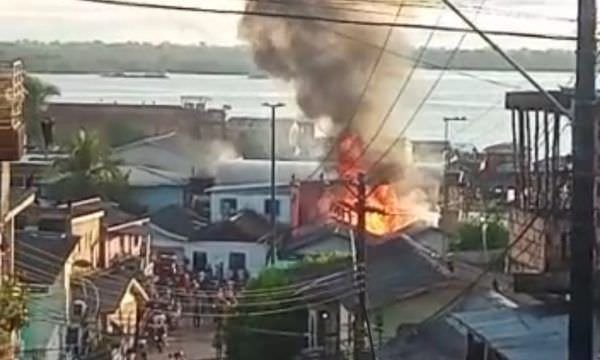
x=272, y=214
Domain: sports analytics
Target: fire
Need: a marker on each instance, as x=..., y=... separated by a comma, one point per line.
x=387, y=212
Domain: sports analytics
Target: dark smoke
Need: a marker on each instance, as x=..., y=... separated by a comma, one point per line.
x=328, y=70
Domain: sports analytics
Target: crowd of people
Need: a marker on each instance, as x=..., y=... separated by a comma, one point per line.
x=177, y=293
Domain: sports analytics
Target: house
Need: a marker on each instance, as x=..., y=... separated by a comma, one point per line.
x=45, y=263
x=19, y=199
x=154, y=188
x=245, y=185
x=114, y=301
x=124, y=235
x=237, y=243
x=172, y=226
x=524, y=333
x=74, y=247
x=404, y=285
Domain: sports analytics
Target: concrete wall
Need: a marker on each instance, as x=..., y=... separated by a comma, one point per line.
x=119, y=245
x=148, y=119
x=544, y=246
x=251, y=201
x=88, y=229
x=218, y=251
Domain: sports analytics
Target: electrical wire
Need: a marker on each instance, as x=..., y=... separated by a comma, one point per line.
x=303, y=17
x=421, y=104
x=363, y=93
x=467, y=289
x=401, y=91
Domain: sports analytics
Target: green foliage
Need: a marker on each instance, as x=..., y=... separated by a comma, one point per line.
x=93, y=57
x=13, y=308
x=470, y=236
x=89, y=170
x=99, y=57
x=37, y=94
x=247, y=336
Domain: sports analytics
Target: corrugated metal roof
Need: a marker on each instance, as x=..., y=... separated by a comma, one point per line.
x=531, y=333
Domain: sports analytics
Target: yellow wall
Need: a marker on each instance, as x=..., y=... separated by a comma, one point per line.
x=125, y=316
x=88, y=229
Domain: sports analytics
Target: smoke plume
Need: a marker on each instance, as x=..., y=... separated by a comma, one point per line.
x=329, y=64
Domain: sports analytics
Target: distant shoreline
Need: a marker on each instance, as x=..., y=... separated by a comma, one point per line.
x=239, y=73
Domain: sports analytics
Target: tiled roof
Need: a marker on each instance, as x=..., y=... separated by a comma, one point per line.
x=111, y=285
x=245, y=226
x=395, y=270
x=177, y=220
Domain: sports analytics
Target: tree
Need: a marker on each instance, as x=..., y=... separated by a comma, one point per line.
x=90, y=169
x=470, y=236
x=37, y=93
x=13, y=311
x=247, y=335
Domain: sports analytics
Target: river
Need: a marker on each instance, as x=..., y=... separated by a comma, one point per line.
x=478, y=95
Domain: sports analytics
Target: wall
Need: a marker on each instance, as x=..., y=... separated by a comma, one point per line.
x=251, y=201
x=544, y=246
x=218, y=251
x=125, y=315
x=147, y=119
x=47, y=316
x=157, y=197
x=87, y=227
x=122, y=245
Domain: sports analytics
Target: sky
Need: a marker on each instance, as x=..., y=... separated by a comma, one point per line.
x=74, y=20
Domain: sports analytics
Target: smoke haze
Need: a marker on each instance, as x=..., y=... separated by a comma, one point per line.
x=329, y=64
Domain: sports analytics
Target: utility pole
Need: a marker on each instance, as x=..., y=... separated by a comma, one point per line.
x=272, y=207
x=445, y=187
x=360, y=276
x=582, y=209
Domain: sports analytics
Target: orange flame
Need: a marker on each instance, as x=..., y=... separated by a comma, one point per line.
x=387, y=213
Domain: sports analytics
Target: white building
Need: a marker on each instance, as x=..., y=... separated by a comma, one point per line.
x=237, y=243
x=245, y=185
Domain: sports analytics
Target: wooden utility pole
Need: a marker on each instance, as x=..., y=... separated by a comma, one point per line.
x=360, y=274
x=583, y=235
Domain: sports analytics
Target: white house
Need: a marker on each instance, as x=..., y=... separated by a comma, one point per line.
x=245, y=185
x=236, y=243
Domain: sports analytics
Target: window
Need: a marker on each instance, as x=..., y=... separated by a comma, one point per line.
x=268, y=207
x=199, y=261
x=228, y=207
x=237, y=261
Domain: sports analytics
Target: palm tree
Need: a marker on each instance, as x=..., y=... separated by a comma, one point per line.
x=90, y=169
x=37, y=93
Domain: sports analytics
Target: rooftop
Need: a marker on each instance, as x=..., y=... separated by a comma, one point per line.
x=112, y=285
x=177, y=220
x=527, y=333
x=40, y=255
x=245, y=226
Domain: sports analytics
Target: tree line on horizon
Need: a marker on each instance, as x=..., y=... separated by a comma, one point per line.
x=99, y=57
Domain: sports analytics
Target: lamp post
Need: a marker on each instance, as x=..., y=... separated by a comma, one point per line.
x=272, y=207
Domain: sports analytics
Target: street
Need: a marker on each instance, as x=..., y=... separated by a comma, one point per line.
x=195, y=343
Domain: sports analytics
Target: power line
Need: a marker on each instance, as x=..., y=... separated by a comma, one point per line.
x=304, y=17
x=363, y=93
